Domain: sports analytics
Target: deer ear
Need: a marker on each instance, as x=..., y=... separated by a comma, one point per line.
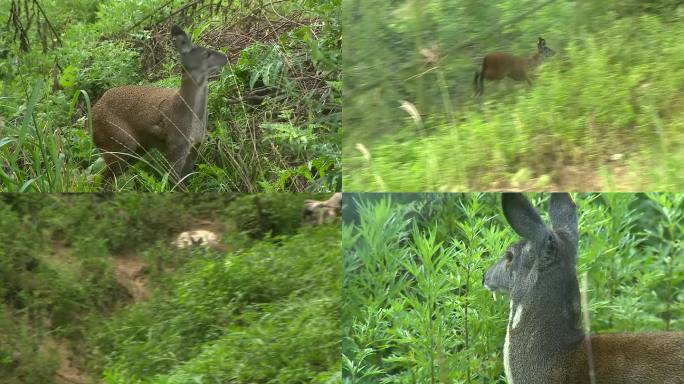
x=523, y=218
x=563, y=213
x=180, y=39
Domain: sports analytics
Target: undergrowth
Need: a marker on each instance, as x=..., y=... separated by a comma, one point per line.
x=415, y=308
x=274, y=111
x=261, y=306
x=602, y=114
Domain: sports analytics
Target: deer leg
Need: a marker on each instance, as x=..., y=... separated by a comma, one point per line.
x=190, y=161
x=528, y=80
x=480, y=84
x=116, y=143
x=177, y=152
x=115, y=166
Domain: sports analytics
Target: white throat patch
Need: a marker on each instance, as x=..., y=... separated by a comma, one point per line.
x=507, y=354
x=517, y=315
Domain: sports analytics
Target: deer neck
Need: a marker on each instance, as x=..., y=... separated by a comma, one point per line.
x=543, y=328
x=193, y=100
x=534, y=60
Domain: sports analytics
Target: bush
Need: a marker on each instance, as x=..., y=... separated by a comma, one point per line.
x=269, y=312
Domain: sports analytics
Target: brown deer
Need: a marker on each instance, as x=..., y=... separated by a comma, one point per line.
x=496, y=66
x=130, y=120
x=319, y=212
x=545, y=343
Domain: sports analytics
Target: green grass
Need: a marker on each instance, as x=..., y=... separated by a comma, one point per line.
x=415, y=309
x=262, y=306
x=274, y=111
x=605, y=113
x=265, y=314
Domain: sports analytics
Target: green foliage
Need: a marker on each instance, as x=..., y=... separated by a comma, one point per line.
x=414, y=306
x=117, y=16
x=108, y=224
x=274, y=214
x=266, y=314
x=111, y=64
x=283, y=138
x=247, y=310
x=600, y=114
x=21, y=359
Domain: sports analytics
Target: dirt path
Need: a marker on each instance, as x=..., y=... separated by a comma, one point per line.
x=130, y=272
x=70, y=369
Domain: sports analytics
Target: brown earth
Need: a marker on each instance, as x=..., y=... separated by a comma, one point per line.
x=131, y=273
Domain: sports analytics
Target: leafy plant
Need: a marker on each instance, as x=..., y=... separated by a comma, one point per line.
x=274, y=111
x=415, y=309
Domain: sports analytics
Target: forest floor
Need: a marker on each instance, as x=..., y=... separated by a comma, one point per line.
x=99, y=293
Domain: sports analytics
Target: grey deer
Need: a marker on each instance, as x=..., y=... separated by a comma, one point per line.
x=544, y=341
x=130, y=120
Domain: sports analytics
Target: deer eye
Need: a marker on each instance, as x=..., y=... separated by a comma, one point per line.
x=509, y=259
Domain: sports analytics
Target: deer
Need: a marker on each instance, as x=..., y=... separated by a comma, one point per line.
x=195, y=238
x=319, y=212
x=131, y=120
x=496, y=66
x=545, y=343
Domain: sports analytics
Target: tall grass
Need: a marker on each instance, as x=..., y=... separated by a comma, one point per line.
x=262, y=305
x=274, y=112
x=415, y=309
x=602, y=114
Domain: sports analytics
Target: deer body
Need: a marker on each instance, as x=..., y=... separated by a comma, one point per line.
x=131, y=120
x=319, y=212
x=198, y=237
x=545, y=343
x=496, y=66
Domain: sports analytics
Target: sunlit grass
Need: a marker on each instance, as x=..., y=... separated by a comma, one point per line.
x=595, y=118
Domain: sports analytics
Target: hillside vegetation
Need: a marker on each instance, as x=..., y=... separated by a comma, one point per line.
x=273, y=112
x=92, y=291
x=605, y=113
